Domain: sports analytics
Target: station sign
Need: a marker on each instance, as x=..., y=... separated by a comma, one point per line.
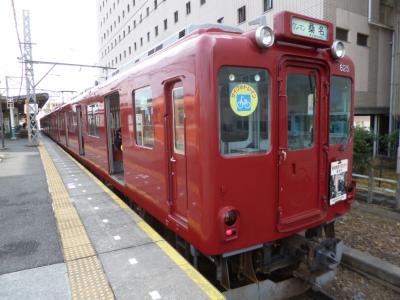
x=298, y=29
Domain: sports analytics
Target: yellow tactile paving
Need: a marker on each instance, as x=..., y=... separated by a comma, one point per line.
x=79, y=251
x=85, y=273
x=88, y=280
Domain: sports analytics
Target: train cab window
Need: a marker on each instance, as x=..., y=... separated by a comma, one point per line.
x=301, y=94
x=243, y=110
x=144, y=128
x=340, y=106
x=93, y=119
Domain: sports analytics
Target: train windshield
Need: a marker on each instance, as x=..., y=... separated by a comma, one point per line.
x=243, y=110
x=340, y=105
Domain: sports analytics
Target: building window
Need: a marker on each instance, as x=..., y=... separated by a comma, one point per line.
x=362, y=39
x=128, y=8
x=147, y=11
x=156, y=31
x=134, y=23
x=148, y=36
x=134, y=46
x=141, y=18
x=144, y=127
x=133, y=2
x=141, y=41
x=123, y=34
x=176, y=16
x=155, y=4
x=267, y=5
x=220, y=20
x=124, y=53
x=93, y=119
x=342, y=34
x=129, y=28
x=165, y=24
x=130, y=50
x=120, y=57
x=202, y=2
x=188, y=8
x=119, y=19
x=242, y=14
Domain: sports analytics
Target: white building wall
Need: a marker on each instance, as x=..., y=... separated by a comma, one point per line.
x=118, y=34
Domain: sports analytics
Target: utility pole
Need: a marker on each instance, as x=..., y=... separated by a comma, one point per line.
x=10, y=104
x=33, y=134
x=3, y=146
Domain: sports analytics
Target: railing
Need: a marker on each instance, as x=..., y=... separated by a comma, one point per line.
x=372, y=188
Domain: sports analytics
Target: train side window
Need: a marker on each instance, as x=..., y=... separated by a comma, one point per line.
x=93, y=119
x=144, y=127
x=340, y=106
x=243, y=110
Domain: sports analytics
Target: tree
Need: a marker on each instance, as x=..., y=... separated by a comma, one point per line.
x=362, y=152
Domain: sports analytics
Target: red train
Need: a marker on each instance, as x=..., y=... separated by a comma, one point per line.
x=240, y=143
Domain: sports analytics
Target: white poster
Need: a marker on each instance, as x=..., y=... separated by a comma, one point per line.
x=337, y=184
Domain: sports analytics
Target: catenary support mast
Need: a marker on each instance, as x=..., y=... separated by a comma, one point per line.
x=33, y=134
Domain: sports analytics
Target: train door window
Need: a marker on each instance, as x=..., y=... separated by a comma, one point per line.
x=340, y=105
x=144, y=128
x=243, y=110
x=93, y=119
x=179, y=120
x=301, y=95
x=71, y=120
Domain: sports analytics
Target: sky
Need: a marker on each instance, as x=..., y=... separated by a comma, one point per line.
x=61, y=31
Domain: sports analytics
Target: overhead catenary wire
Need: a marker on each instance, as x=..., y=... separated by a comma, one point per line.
x=19, y=44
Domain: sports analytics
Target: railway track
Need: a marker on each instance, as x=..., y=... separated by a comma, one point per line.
x=319, y=295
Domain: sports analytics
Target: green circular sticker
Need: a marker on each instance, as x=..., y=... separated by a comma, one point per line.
x=243, y=100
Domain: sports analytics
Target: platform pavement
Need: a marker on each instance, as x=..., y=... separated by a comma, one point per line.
x=136, y=262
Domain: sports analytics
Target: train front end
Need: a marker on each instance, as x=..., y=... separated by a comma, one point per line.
x=283, y=149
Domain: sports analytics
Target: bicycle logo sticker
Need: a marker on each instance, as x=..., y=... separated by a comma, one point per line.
x=243, y=100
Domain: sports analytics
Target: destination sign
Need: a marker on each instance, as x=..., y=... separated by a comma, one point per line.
x=309, y=29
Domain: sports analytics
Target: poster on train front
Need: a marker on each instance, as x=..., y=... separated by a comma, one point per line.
x=337, y=183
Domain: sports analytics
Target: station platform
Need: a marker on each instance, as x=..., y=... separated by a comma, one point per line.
x=65, y=235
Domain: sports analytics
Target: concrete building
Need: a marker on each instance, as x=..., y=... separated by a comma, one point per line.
x=369, y=28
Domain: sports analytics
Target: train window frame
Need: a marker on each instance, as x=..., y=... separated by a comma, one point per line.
x=266, y=147
x=349, y=107
x=135, y=92
x=95, y=117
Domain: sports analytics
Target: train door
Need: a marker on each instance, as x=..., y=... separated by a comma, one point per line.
x=80, y=133
x=66, y=128
x=114, y=137
x=301, y=134
x=177, y=151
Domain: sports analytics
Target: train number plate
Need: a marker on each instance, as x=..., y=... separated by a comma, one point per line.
x=337, y=182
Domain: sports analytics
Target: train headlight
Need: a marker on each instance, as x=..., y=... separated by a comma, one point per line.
x=264, y=37
x=230, y=218
x=337, y=50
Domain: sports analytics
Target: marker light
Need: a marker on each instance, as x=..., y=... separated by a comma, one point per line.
x=230, y=217
x=230, y=232
x=337, y=50
x=264, y=37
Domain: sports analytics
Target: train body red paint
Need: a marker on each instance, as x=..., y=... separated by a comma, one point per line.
x=224, y=175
